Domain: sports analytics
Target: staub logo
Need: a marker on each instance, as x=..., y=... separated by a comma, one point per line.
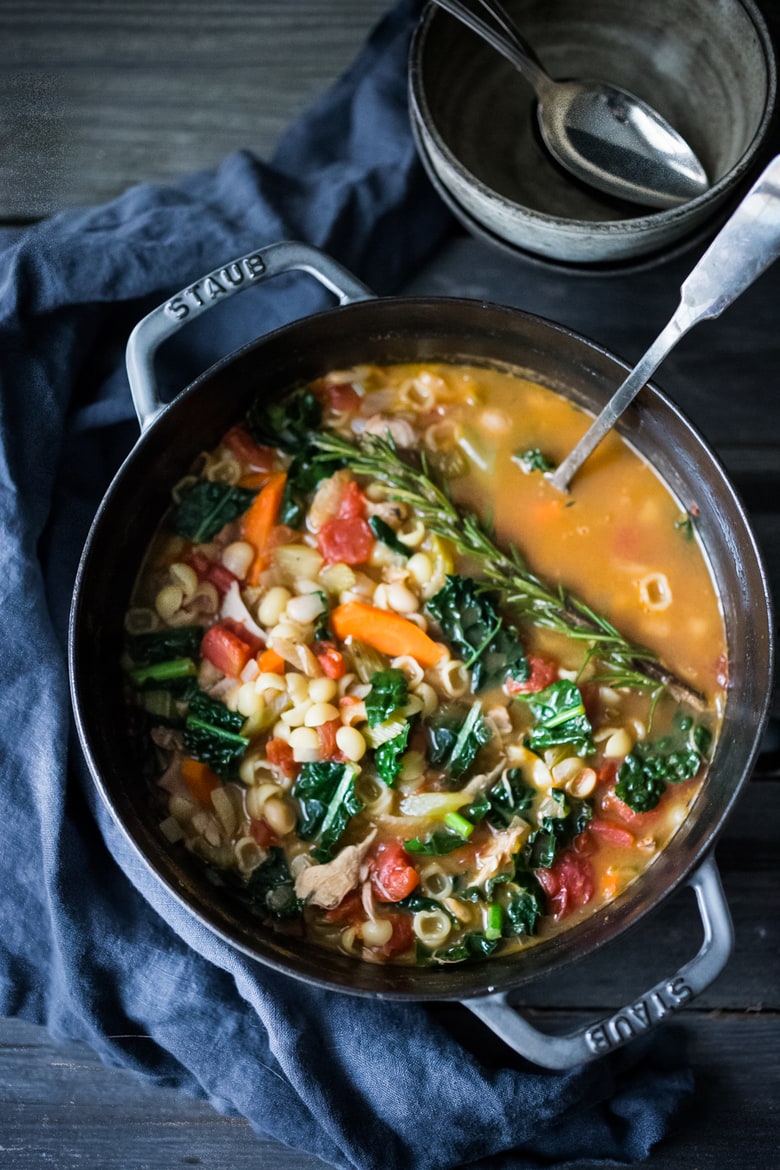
x=219, y=283
x=638, y=1018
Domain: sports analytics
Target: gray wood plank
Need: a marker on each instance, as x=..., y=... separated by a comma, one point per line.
x=60, y=1107
x=96, y=97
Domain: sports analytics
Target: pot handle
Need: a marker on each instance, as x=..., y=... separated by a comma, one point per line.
x=196, y=298
x=586, y=1044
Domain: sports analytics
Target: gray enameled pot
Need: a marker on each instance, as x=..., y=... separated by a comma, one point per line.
x=364, y=329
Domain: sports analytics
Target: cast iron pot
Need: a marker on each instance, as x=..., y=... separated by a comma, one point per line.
x=365, y=329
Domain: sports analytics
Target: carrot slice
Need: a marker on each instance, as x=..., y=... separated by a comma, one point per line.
x=260, y=520
x=387, y=632
x=270, y=662
x=199, y=778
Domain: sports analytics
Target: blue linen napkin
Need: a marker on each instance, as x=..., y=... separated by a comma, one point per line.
x=90, y=944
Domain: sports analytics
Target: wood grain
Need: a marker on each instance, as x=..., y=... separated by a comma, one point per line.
x=95, y=97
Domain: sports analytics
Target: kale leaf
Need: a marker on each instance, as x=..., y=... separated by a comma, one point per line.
x=646, y=770
x=555, y=833
x=286, y=424
x=454, y=743
x=207, y=507
x=388, y=756
x=439, y=842
x=382, y=531
x=389, y=691
x=523, y=908
x=508, y=797
x=271, y=886
x=475, y=945
x=326, y=795
x=559, y=717
x=162, y=645
x=472, y=626
x=212, y=734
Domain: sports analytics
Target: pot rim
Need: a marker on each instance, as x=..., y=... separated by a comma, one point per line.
x=423, y=984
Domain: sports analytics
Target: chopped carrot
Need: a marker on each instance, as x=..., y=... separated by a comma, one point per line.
x=270, y=662
x=254, y=479
x=610, y=884
x=200, y=779
x=387, y=632
x=260, y=520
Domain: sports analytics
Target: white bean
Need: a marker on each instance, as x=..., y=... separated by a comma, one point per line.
x=305, y=744
x=304, y=609
x=351, y=743
x=273, y=605
x=237, y=557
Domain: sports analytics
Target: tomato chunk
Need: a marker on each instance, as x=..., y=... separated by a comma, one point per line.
x=569, y=883
x=392, y=875
x=615, y=834
x=247, y=451
x=402, y=937
x=350, y=909
x=543, y=671
x=347, y=537
x=225, y=650
x=342, y=396
x=330, y=658
x=279, y=753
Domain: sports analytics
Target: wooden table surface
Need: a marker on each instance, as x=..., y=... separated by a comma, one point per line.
x=95, y=97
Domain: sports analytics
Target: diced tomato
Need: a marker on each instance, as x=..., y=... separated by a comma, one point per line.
x=615, y=834
x=392, y=875
x=347, y=537
x=342, y=397
x=607, y=772
x=279, y=753
x=212, y=571
x=352, y=502
x=261, y=832
x=543, y=671
x=350, y=909
x=247, y=451
x=402, y=937
x=349, y=541
x=569, y=883
x=225, y=650
x=331, y=659
x=220, y=577
x=255, y=644
x=326, y=733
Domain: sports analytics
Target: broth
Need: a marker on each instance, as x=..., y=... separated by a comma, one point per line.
x=403, y=695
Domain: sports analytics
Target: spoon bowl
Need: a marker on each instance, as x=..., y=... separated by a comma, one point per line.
x=475, y=122
x=603, y=135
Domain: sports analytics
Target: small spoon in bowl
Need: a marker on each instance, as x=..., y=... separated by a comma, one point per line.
x=605, y=136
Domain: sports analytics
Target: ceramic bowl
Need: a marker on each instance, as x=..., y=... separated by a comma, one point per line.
x=709, y=68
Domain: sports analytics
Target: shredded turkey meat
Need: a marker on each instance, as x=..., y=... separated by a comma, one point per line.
x=327, y=885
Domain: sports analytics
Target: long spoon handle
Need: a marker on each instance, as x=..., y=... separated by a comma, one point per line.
x=746, y=245
x=517, y=50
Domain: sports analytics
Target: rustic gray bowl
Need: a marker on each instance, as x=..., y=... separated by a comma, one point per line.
x=708, y=67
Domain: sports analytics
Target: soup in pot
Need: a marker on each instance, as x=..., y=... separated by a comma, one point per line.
x=406, y=699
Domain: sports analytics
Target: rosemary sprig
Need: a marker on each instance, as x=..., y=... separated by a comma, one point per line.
x=623, y=662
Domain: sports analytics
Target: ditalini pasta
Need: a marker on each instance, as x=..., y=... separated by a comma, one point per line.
x=402, y=697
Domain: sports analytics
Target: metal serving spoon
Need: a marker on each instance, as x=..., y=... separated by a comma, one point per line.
x=747, y=244
x=603, y=135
